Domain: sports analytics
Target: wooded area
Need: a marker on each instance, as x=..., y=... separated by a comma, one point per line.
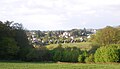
x=14, y=45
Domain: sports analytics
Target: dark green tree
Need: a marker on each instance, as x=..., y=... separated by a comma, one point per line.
x=8, y=48
x=8, y=45
x=22, y=41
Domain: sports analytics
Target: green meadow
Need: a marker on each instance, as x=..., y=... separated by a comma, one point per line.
x=38, y=65
x=82, y=45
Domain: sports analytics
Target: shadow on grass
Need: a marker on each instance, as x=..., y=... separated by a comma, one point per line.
x=19, y=61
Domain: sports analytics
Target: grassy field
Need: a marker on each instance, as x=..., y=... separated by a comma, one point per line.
x=82, y=45
x=32, y=65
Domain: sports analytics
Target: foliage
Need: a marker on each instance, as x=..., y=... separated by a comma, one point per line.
x=22, y=43
x=82, y=57
x=8, y=48
x=40, y=54
x=70, y=54
x=57, y=53
x=13, y=41
x=90, y=59
x=67, y=54
x=108, y=35
x=33, y=55
x=75, y=32
x=6, y=30
x=94, y=47
x=109, y=53
x=14, y=45
x=92, y=38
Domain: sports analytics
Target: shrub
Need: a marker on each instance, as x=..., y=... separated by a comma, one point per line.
x=82, y=56
x=33, y=55
x=90, y=58
x=108, y=53
x=40, y=54
x=71, y=54
x=57, y=53
x=94, y=47
x=75, y=54
x=68, y=54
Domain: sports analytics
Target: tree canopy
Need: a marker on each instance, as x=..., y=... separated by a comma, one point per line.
x=108, y=35
x=13, y=41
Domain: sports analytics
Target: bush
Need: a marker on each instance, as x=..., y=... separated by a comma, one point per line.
x=68, y=54
x=56, y=53
x=90, y=59
x=108, y=53
x=40, y=54
x=33, y=55
x=75, y=54
x=82, y=56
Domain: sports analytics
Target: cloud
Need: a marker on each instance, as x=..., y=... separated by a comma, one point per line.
x=60, y=14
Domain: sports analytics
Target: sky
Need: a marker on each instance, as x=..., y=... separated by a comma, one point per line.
x=61, y=14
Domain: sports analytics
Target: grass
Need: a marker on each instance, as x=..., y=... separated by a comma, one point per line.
x=33, y=65
x=82, y=45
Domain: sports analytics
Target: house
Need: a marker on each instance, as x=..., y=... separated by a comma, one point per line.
x=66, y=34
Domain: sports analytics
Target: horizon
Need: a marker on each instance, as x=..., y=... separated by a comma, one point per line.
x=72, y=29
x=47, y=15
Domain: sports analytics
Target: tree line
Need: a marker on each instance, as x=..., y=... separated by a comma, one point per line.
x=14, y=45
x=105, y=48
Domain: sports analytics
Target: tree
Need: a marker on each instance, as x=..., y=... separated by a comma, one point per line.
x=8, y=48
x=13, y=41
x=40, y=34
x=108, y=35
x=6, y=30
x=84, y=32
x=22, y=41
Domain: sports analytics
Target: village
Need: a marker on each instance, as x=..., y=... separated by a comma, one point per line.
x=42, y=38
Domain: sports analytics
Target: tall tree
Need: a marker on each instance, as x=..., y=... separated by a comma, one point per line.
x=22, y=41
x=13, y=41
x=8, y=46
x=108, y=35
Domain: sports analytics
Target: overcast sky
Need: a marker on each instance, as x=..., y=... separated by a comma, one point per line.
x=61, y=14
